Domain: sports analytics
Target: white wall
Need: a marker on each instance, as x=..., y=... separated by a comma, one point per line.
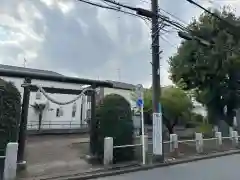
x=49, y=117
x=66, y=121
x=125, y=93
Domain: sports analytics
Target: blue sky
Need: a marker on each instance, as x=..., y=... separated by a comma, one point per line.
x=77, y=39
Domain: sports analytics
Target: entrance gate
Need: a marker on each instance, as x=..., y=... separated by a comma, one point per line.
x=28, y=87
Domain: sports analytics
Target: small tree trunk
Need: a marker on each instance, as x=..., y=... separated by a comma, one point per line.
x=169, y=127
x=170, y=130
x=39, y=121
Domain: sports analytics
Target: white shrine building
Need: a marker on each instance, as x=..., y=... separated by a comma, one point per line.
x=51, y=118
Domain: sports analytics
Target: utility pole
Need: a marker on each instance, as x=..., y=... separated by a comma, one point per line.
x=157, y=116
x=156, y=88
x=155, y=57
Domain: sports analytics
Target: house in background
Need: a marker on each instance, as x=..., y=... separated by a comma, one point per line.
x=74, y=116
x=199, y=108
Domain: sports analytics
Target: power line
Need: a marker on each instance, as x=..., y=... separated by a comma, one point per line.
x=163, y=18
x=139, y=11
x=120, y=5
x=167, y=41
x=173, y=23
x=118, y=9
x=167, y=12
x=145, y=1
x=109, y=4
x=98, y=5
x=174, y=16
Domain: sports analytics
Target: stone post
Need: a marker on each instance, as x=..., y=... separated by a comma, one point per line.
x=235, y=138
x=231, y=132
x=199, y=142
x=173, y=142
x=10, y=165
x=108, y=151
x=218, y=135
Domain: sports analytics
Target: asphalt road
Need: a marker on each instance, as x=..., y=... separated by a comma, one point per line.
x=222, y=168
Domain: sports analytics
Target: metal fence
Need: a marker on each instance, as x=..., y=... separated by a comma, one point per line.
x=186, y=148
x=33, y=125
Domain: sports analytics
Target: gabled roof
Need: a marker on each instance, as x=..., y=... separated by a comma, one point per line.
x=23, y=69
x=122, y=85
x=116, y=84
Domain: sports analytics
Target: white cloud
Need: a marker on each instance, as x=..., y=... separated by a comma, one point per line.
x=66, y=7
x=81, y=40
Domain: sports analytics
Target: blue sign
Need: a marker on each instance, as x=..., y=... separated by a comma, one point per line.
x=139, y=102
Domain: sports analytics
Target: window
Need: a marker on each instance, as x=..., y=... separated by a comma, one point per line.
x=58, y=112
x=74, y=109
x=73, y=113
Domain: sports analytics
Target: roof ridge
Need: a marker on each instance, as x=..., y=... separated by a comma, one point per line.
x=4, y=66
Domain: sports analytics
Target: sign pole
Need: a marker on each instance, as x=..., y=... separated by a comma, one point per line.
x=139, y=92
x=143, y=138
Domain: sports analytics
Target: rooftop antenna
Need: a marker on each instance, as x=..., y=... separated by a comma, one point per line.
x=24, y=62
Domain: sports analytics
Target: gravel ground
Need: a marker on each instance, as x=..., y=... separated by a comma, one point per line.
x=54, y=154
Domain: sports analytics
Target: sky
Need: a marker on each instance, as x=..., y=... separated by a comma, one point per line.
x=80, y=40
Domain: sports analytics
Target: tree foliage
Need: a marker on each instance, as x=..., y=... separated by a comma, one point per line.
x=10, y=109
x=115, y=120
x=210, y=72
x=175, y=104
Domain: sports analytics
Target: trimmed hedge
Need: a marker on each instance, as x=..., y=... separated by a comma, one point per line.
x=114, y=119
x=10, y=110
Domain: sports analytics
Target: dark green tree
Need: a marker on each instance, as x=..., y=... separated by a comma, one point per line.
x=210, y=71
x=10, y=109
x=114, y=117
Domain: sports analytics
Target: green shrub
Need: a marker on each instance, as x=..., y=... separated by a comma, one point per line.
x=206, y=129
x=10, y=109
x=114, y=119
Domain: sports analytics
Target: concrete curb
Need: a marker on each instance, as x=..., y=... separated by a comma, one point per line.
x=129, y=169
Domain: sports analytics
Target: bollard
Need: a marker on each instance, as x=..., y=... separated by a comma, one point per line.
x=173, y=142
x=218, y=135
x=108, y=151
x=234, y=138
x=231, y=132
x=199, y=142
x=10, y=166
